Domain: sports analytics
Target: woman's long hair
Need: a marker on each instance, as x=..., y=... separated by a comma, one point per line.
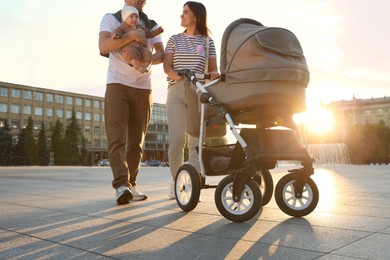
x=200, y=13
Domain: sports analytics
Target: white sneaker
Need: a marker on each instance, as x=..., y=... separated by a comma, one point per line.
x=123, y=195
x=138, y=195
x=171, y=193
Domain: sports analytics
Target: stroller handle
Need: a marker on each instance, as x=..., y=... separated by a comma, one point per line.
x=189, y=73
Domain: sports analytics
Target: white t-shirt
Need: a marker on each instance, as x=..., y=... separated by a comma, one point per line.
x=118, y=70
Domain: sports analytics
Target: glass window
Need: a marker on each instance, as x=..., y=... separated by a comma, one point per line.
x=96, y=143
x=49, y=97
x=15, y=93
x=96, y=103
x=15, y=109
x=59, y=113
x=3, y=108
x=96, y=117
x=38, y=111
x=87, y=130
x=38, y=96
x=59, y=99
x=88, y=103
x=27, y=110
x=79, y=115
x=49, y=112
x=15, y=123
x=88, y=116
x=68, y=114
x=96, y=130
x=27, y=94
x=3, y=92
x=79, y=102
x=69, y=100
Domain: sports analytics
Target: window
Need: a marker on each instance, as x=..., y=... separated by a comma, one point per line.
x=88, y=103
x=88, y=116
x=49, y=112
x=38, y=111
x=50, y=98
x=15, y=109
x=96, y=117
x=96, y=130
x=96, y=104
x=38, y=96
x=79, y=115
x=87, y=130
x=96, y=143
x=15, y=93
x=69, y=100
x=27, y=110
x=15, y=123
x=3, y=108
x=27, y=94
x=3, y=92
x=59, y=99
x=79, y=102
x=59, y=113
x=68, y=114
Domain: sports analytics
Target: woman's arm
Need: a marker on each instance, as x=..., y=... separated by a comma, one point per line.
x=213, y=69
x=168, y=67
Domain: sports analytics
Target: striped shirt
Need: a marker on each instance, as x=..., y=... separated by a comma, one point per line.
x=189, y=52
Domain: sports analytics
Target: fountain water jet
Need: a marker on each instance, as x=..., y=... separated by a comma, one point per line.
x=336, y=153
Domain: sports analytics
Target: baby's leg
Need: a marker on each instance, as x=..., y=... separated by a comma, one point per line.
x=147, y=57
x=129, y=54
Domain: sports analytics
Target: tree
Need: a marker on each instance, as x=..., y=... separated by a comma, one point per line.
x=71, y=144
x=5, y=145
x=31, y=146
x=56, y=142
x=43, y=153
x=19, y=151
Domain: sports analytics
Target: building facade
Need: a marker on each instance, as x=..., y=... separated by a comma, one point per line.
x=359, y=112
x=19, y=102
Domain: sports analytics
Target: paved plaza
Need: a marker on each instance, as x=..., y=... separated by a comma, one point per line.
x=71, y=213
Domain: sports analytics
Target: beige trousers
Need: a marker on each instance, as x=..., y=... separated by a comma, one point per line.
x=177, y=128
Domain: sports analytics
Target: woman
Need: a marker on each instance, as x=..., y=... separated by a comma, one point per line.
x=186, y=50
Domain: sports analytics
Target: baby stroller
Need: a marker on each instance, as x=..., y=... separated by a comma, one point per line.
x=263, y=80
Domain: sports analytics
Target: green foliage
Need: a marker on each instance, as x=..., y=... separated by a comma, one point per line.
x=31, y=146
x=43, y=153
x=71, y=145
x=19, y=151
x=369, y=144
x=56, y=142
x=5, y=145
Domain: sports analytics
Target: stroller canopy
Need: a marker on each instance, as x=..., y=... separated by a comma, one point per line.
x=251, y=52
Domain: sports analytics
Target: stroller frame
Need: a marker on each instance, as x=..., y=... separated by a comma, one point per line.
x=245, y=179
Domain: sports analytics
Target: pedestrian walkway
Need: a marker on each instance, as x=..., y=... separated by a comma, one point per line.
x=71, y=213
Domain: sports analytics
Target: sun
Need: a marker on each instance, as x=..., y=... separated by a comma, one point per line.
x=315, y=118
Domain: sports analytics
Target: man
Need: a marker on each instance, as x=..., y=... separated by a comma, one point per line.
x=128, y=102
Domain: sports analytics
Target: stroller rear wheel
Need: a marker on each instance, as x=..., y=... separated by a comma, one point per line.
x=243, y=210
x=187, y=187
x=266, y=184
x=289, y=203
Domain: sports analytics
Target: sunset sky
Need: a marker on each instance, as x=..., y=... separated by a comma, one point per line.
x=54, y=44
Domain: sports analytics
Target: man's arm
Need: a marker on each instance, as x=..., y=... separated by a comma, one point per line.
x=107, y=44
x=158, y=55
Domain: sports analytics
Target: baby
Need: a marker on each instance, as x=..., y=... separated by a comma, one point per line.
x=135, y=54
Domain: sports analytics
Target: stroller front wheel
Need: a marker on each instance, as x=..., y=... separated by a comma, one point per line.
x=289, y=203
x=243, y=210
x=187, y=187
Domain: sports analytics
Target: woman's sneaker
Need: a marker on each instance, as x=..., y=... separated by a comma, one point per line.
x=138, y=195
x=123, y=195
